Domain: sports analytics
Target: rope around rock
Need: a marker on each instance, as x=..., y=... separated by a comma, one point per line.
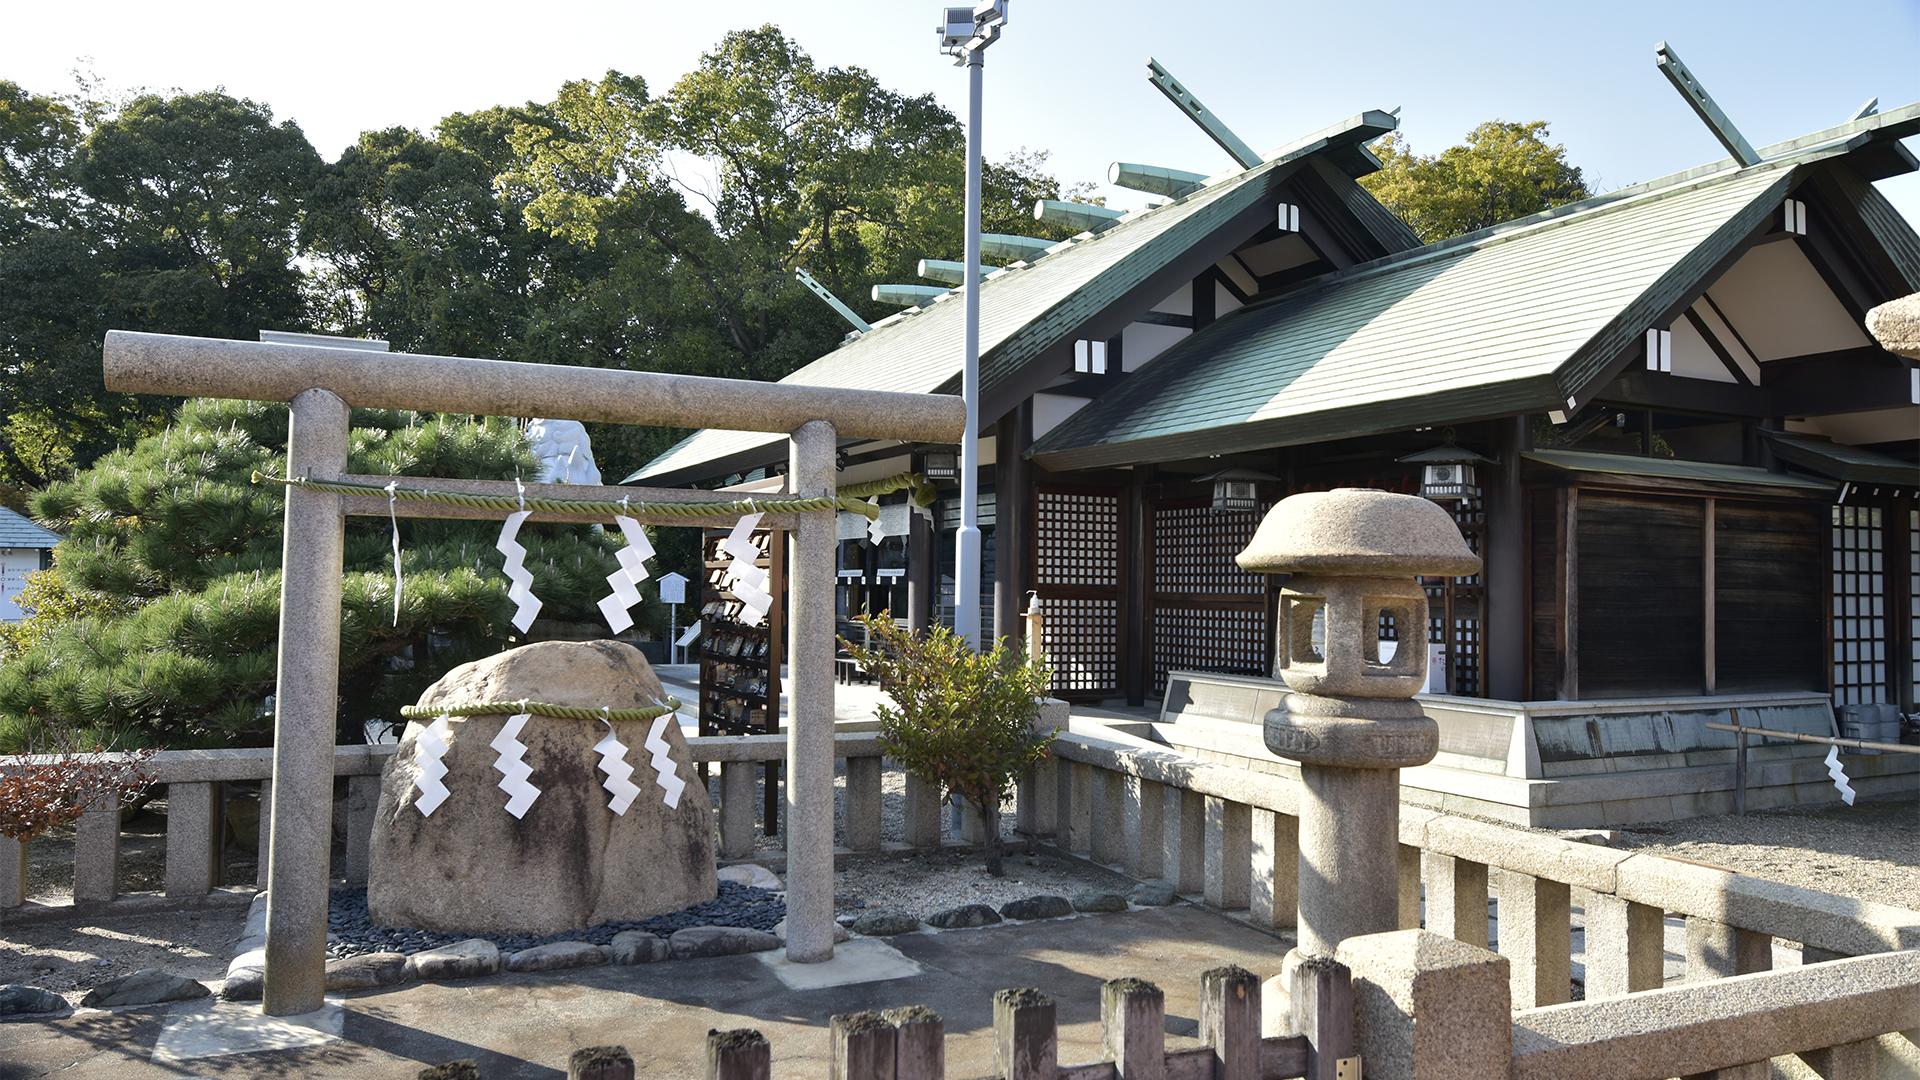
x=562, y=712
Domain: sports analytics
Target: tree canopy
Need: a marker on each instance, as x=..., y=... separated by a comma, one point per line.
x=160, y=621
x=1503, y=171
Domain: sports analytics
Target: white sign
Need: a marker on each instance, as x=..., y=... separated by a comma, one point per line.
x=15, y=565
x=686, y=639
x=673, y=589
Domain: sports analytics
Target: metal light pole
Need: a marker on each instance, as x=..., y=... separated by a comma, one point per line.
x=965, y=34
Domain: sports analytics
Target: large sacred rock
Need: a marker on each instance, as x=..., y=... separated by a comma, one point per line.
x=570, y=862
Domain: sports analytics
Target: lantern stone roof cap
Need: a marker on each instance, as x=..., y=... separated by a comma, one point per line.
x=1358, y=531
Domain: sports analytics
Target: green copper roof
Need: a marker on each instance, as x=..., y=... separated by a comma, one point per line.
x=1670, y=469
x=1853, y=464
x=1520, y=317
x=1024, y=310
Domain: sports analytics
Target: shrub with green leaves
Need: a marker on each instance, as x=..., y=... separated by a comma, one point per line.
x=169, y=581
x=960, y=719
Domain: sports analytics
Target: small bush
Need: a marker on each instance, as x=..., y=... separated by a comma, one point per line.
x=961, y=719
x=46, y=790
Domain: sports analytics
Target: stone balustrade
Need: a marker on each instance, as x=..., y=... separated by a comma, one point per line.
x=1231, y=835
x=192, y=779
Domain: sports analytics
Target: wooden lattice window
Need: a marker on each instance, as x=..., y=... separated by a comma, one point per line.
x=1077, y=574
x=1454, y=606
x=1859, y=605
x=1208, y=614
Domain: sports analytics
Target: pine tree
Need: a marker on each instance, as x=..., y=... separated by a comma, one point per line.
x=171, y=569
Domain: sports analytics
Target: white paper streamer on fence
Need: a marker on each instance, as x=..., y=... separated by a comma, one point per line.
x=513, y=767
x=1839, y=775
x=430, y=748
x=662, y=761
x=633, y=570
x=527, y=604
x=746, y=581
x=613, y=762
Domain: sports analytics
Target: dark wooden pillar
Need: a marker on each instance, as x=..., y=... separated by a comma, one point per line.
x=1013, y=523
x=1900, y=585
x=1203, y=297
x=920, y=575
x=1504, y=631
x=1136, y=605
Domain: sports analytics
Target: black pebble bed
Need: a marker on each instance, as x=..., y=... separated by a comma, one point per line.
x=351, y=932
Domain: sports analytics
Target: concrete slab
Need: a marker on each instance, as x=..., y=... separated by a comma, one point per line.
x=210, y=1028
x=862, y=960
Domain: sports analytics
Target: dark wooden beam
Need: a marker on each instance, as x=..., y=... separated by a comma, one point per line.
x=1719, y=348
x=1136, y=608
x=1850, y=380
x=1639, y=388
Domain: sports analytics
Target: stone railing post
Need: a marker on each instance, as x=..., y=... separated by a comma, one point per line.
x=1625, y=947
x=363, y=802
x=1183, y=840
x=1428, y=1007
x=1354, y=557
x=1142, y=816
x=920, y=1043
x=96, y=852
x=1456, y=897
x=193, y=851
x=922, y=813
x=1039, y=798
x=1076, y=808
x=1229, y=858
x=1133, y=1024
x=862, y=821
x=1275, y=895
x=13, y=872
x=1536, y=932
x=1409, y=887
x=738, y=803
x=1109, y=829
x=863, y=1047
x=1716, y=950
x=1230, y=1021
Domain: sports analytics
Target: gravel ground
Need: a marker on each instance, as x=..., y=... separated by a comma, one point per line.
x=1869, y=851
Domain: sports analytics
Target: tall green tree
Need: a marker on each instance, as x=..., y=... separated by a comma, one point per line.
x=1503, y=171
x=171, y=576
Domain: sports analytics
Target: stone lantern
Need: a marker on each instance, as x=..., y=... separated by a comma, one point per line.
x=1354, y=554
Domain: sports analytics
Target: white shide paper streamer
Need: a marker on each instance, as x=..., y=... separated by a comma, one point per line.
x=746, y=581
x=393, y=518
x=431, y=747
x=513, y=768
x=1839, y=775
x=633, y=571
x=619, y=784
x=528, y=605
x=662, y=761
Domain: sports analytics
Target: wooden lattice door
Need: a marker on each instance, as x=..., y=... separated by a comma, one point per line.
x=1077, y=575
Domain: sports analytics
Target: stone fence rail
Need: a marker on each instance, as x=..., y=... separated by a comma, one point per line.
x=1232, y=835
x=191, y=778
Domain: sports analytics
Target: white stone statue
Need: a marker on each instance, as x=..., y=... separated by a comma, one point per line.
x=564, y=453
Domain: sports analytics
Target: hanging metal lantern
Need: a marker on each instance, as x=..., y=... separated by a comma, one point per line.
x=940, y=465
x=1237, y=491
x=1447, y=472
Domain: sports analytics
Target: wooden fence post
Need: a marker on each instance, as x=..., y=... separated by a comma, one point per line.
x=863, y=1046
x=740, y=1054
x=600, y=1063
x=1024, y=1046
x=1133, y=1021
x=1230, y=1021
x=1322, y=1007
x=919, y=1043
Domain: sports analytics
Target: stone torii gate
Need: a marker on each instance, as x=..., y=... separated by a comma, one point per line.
x=322, y=384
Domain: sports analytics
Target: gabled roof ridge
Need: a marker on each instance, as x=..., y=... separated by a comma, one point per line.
x=1532, y=225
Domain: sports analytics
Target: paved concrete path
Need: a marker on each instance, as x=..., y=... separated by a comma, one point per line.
x=525, y=1026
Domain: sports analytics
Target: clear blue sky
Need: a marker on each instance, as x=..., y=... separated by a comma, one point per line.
x=1067, y=77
